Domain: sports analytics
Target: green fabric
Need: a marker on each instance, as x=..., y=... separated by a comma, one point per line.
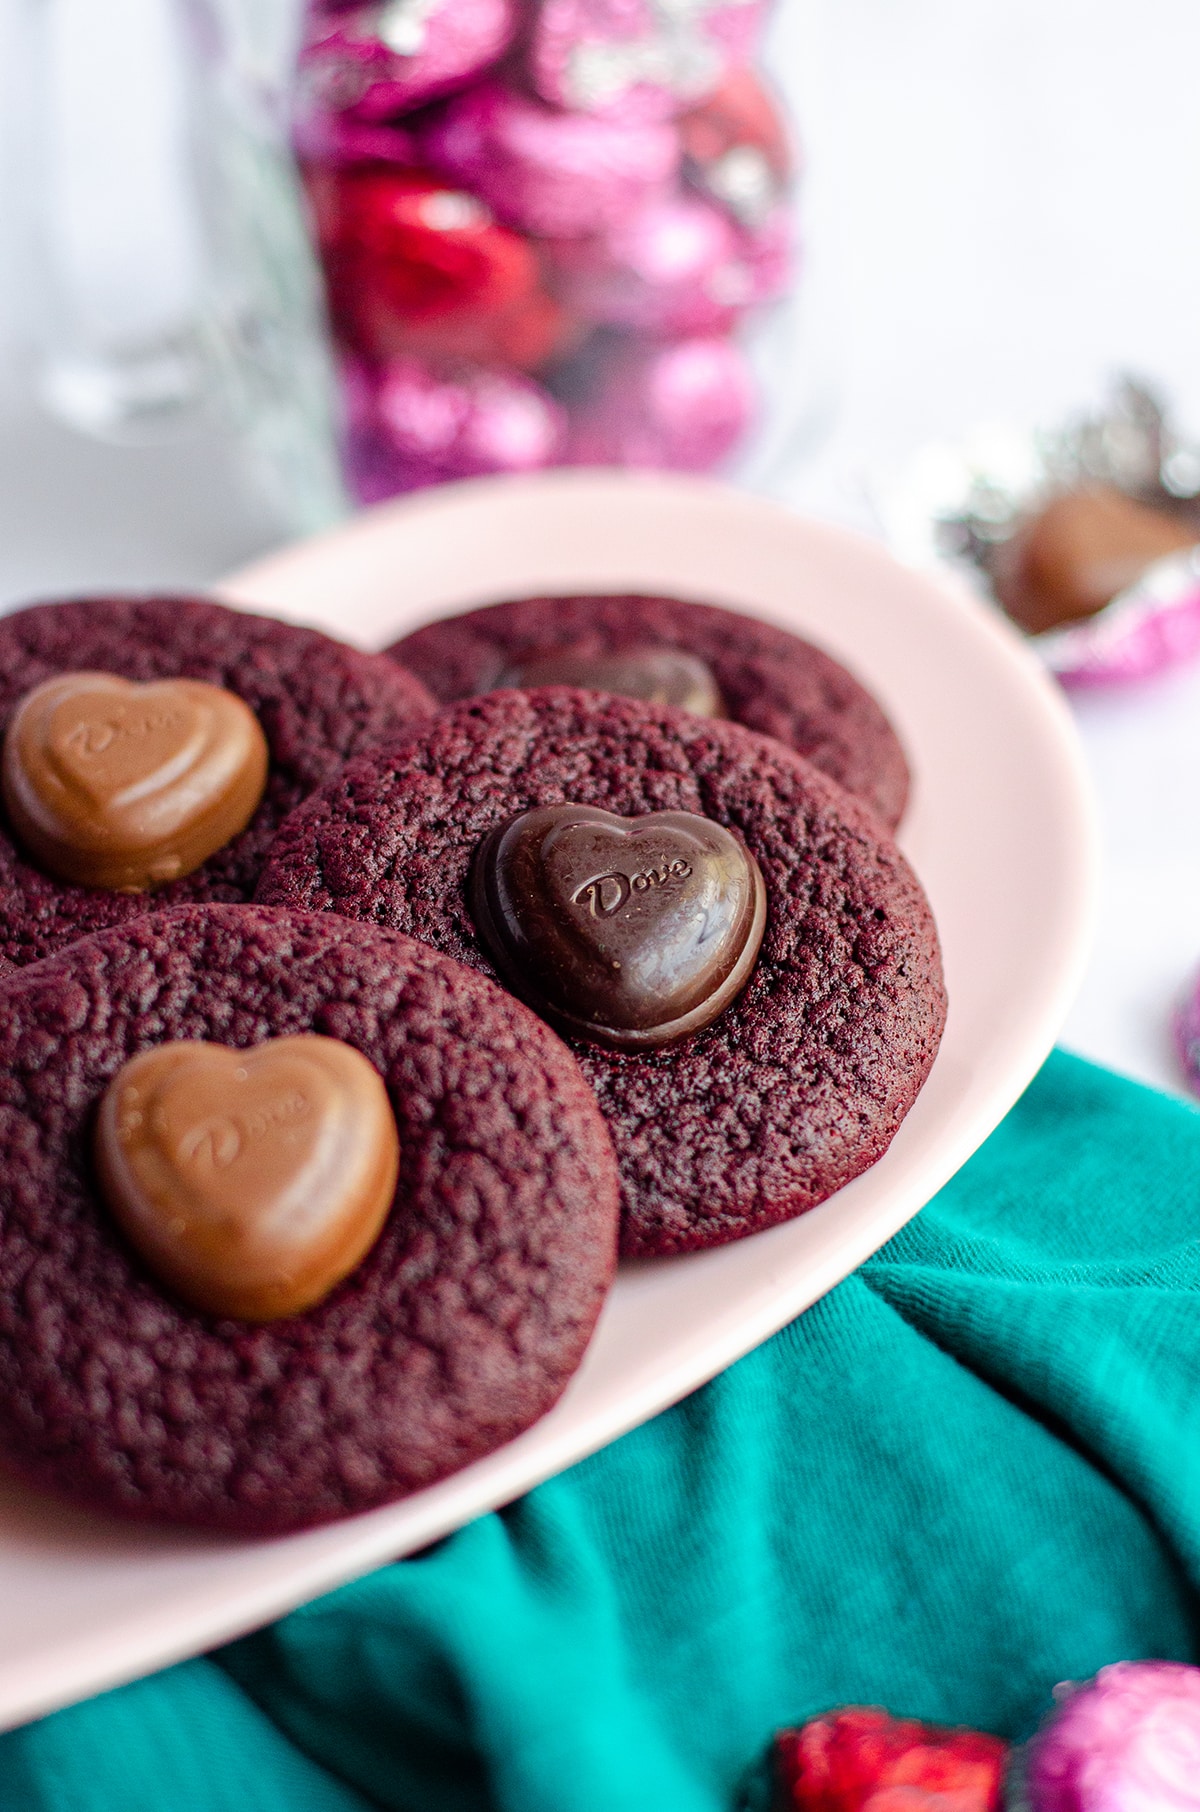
x=971, y=1471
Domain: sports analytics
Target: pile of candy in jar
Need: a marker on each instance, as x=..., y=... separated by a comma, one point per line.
x=542, y=223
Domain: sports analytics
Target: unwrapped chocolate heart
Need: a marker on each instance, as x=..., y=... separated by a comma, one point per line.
x=631, y=932
x=250, y=1181
x=1079, y=552
x=109, y=783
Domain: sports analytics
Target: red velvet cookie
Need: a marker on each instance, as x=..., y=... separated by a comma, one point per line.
x=459, y=1328
x=769, y=680
x=799, y=1084
x=318, y=702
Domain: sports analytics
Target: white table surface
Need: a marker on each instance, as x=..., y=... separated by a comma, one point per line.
x=999, y=211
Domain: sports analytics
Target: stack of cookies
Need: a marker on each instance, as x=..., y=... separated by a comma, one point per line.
x=356, y=1011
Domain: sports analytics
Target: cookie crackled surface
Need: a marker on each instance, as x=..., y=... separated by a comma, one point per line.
x=802, y=1081
x=459, y=1327
x=763, y=676
x=316, y=700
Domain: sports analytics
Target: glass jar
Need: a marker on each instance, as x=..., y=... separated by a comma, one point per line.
x=551, y=233
x=172, y=279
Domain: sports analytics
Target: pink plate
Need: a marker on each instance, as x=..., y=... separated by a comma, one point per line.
x=1000, y=829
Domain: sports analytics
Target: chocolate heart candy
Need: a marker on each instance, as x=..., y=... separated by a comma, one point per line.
x=631, y=932
x=113, y=784
x=1080, y=552
x=250, y=1181
x=665, y=676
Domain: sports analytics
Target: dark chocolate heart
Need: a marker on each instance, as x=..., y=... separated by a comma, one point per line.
x=631, y=932
x=664, y=676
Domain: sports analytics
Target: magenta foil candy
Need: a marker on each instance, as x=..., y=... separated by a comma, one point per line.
x=638, y=59
x=681, y=407
x=1128, y=1741
x=411, y=425
x=1147, y=629
x=1187, y=1035
x=550, y=173
x=736, y=150
x=377, y=61
x=544, y=226
x=677, y=266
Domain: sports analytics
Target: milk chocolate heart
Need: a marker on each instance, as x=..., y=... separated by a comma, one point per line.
x=109, y=783
x=1081, y=551
x=631, y=932
x=665, y=676
x=250, y=1181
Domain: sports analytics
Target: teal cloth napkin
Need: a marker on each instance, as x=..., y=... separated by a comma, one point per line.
x=971, y=1471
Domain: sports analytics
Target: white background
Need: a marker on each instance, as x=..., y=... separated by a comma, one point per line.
x=999, y=209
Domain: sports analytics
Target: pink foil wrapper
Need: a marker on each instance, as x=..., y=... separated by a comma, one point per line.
x=1186, y=1028
x=638, y=59
x=1128, y=1741
x=681, y=407
x=1187, y=1038
x=338, y=139
x=561, y=175
x=382, y=59
x=678, y=266
x=1152, y=626
x=410, y=425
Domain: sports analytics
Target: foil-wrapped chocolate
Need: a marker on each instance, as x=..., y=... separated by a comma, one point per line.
x=638, y=59
x=563, y=175
x=386, y=57
x=1187, y=1035
x=1126, y=1741
x=1091, y=541
x=411, y=424
x=414, y=264
x=677, y=266
x=736, y=149
x=671, y=268
x=540, y=224
x=681, y=406
x=860, y=1759
x=322, y=138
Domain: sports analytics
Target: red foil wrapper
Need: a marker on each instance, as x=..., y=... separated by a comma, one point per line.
x=861, y=1760
x=413, y=264
x=564, y=175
